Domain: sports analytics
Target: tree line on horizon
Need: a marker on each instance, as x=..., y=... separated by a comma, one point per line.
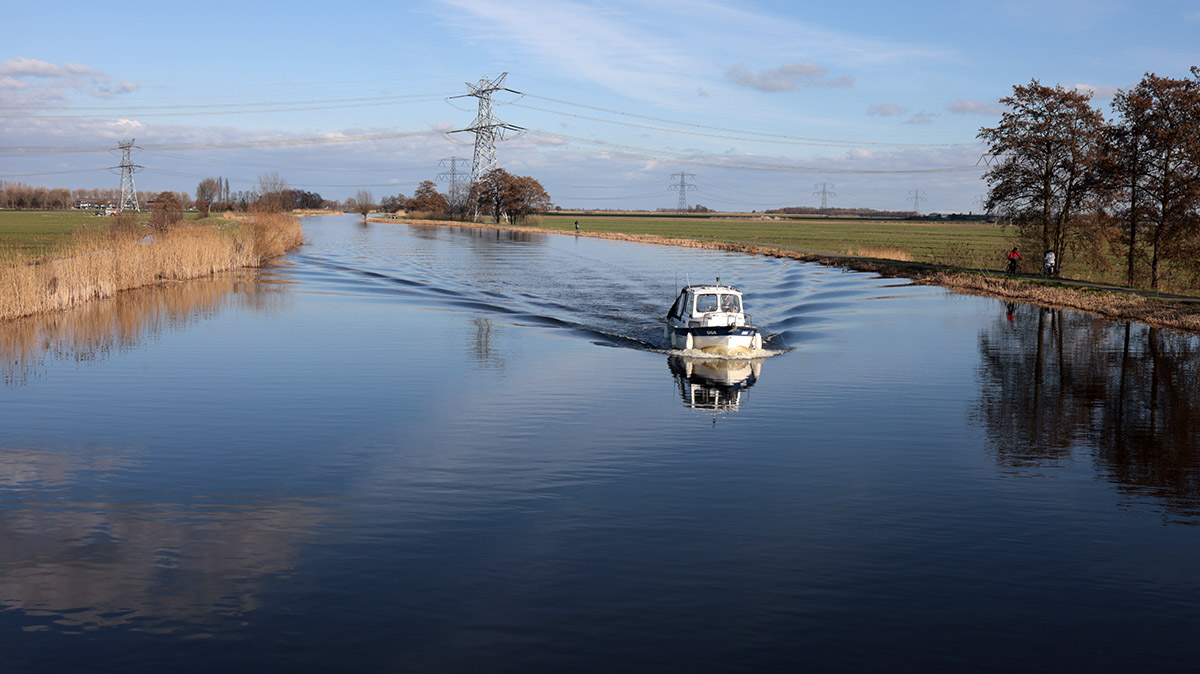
x=498, y=195
x=213, y=194
x=1101, y=190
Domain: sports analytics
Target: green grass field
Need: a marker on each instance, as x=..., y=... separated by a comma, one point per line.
x=972, y=245
x=968, y=245
x=39, y=233
x=36, y=233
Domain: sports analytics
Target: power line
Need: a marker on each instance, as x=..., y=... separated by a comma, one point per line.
x=723, y=162
x=805, y=140
x=231, y=145
x=204, y=112
x=55, y=173
x=207, y=106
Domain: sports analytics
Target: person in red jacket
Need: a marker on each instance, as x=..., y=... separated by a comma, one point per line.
x=1013, y=258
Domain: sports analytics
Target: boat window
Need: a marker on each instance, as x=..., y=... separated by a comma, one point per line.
x=679, y=307
x=731, y=303
x=706, y=303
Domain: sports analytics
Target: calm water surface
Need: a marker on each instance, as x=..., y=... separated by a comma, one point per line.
x=436, y=449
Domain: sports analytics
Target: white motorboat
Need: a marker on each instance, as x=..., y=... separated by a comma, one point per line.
x=711, y=318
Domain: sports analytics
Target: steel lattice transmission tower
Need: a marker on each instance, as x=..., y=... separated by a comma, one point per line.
x=128, y=191
x=683, y=186
x=457, y=193
x=824, y=192
x=916, y=196
x=486, y=127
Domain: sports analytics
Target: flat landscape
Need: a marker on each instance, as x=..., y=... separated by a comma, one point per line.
x=955, y=243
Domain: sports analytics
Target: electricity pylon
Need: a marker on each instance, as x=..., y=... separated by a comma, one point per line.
x=128, y=191
x=486, y=127
x=916, y=196
x=824, y=193
x=457, y=193
x=682, y=187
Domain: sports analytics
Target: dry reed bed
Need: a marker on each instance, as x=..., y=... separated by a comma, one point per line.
x=103, y=264
x=1113, y=305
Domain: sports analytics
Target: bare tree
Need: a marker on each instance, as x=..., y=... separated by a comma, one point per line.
x=1046, y=149
x=1157, y=149
x=271, y=188
x=364, y=203
x=394, y=204
x=207, y=192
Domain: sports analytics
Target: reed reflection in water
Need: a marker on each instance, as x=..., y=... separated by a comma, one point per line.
x=94, y=330
x=1057, y=385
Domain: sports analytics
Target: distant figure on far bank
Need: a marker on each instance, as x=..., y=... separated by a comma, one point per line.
x=1013, y=258
x=1049, y=264
x=577, y=225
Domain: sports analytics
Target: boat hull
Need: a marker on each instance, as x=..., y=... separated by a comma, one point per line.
x=715, y=338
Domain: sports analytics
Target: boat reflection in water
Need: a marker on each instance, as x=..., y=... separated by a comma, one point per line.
x=714, y=383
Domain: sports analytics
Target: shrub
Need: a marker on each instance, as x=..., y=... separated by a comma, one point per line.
x=167, y=211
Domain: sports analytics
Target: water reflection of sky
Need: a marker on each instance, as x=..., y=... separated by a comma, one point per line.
x=427, y=453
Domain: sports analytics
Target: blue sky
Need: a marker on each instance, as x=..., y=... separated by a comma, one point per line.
x=761, y=100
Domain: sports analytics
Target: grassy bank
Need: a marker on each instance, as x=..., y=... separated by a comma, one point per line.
x=97, y=262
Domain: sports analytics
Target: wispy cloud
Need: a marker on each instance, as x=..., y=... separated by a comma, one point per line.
x=23, y=67
x=787, y=77
x=921, y=118
x=885, y=110
x=122, y=87
x=32, y=82
x=621, y=45
x=965, y=107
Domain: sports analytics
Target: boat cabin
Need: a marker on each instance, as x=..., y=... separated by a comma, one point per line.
x=708, y=304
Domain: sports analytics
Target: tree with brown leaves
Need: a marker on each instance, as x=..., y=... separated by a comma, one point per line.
x=1046, y=148
x=1156, y=143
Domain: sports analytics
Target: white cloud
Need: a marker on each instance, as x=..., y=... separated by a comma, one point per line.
x=964, y=107
x=1097, y=92
x=41, y=82
x=921, y=118
x=84, y=71
x=23, y=67
x=10, y=82
x=885, y=110
x=123, y=87
x=787, y=77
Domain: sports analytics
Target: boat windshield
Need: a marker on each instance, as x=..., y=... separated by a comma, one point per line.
x=708, y=303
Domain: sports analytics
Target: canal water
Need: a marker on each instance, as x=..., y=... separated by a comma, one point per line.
x=432, y=449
